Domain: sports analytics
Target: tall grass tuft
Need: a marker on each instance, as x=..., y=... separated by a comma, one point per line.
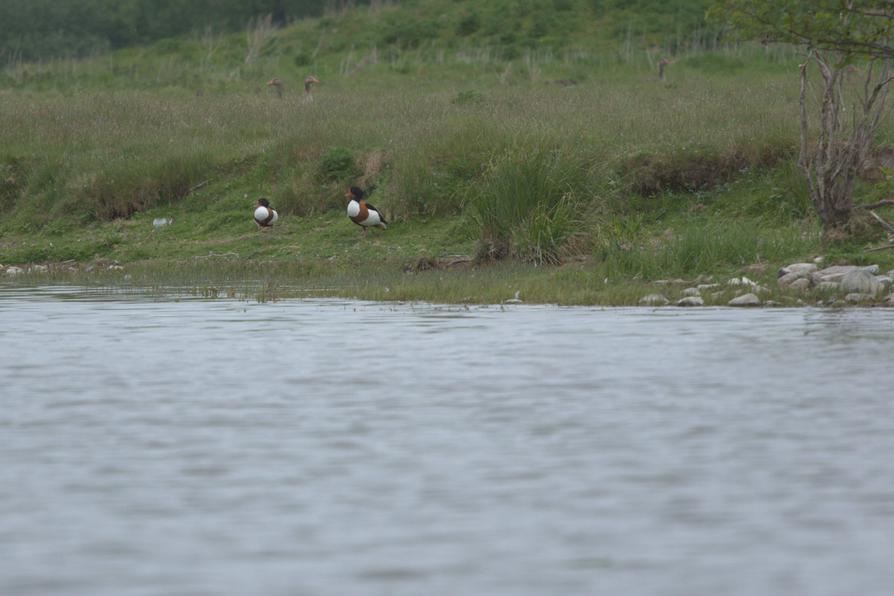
x=528, y=204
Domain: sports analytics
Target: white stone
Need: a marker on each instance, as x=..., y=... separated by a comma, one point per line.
x=654, y=300
x=691, y=292
x=837, y=272
x=884, y=281
x=741, y=281
x=703, y=287
x=789, y=278
x=859, y=281
x=827, y=286
x=800, y=285
x=808, y=267
x=116, y=268
x=745, y=300
x=691, y=301
x=857, y=297
x=14, y=271
x=39, y=268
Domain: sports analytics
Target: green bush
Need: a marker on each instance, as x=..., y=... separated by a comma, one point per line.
x=338, y=165
x=468, y=24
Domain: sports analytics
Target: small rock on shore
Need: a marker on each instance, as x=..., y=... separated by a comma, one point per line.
x=654, y=300
x=691, y=301
x=745, y=300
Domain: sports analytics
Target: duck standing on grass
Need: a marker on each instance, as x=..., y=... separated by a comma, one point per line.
x=362, y=213
x=265, y=215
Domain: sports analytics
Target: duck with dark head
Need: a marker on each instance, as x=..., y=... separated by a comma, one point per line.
x=362, y=213
x=265, y=215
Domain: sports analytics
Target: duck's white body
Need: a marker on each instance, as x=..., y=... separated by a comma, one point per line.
x=263, y=216
x=364, y=216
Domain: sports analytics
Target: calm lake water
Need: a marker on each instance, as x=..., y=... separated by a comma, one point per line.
x=330, y=447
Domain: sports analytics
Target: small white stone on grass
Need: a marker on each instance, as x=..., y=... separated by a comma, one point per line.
x=808, y=267
x=691, y=301
x=654, y=300
x=745, y=300
x=741, y=281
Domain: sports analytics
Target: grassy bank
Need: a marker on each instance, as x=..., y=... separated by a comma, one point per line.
x=552, y=171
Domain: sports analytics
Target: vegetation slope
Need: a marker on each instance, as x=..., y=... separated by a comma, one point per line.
x=534, y=135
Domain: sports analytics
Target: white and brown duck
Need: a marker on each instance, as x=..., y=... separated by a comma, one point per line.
x=362, y=213
x=265, y=215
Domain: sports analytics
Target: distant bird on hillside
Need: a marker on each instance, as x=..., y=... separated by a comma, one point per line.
x=265, y=215
x=362, y=213
x=662, y=66
x=277, y=86
x=309, y=83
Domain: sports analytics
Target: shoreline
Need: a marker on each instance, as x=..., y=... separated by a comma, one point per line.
x=577, y=283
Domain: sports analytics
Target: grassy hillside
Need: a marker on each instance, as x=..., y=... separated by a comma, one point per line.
x=484, y=134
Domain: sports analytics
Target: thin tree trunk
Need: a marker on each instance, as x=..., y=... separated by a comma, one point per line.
x=830, y=164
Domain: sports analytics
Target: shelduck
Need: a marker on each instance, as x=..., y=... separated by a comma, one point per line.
x=265, y=215
x=362, y=213
x=309, y=83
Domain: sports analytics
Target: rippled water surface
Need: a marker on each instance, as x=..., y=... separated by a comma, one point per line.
x=328, y=447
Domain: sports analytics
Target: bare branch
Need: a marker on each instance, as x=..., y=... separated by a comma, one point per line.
x=876, y=205
x=888, y=227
